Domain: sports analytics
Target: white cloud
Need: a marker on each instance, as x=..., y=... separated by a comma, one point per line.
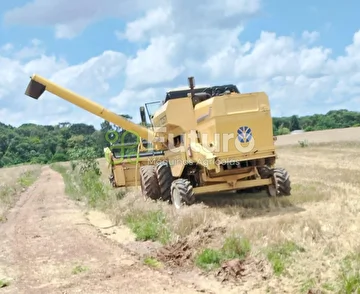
x=154, y=19
x=70, y=18
x=6, y=47
x=34, y=49
x=154, y=64
x=72, y=29
x=89, y=79
x=183, y=36
x=290, y=70
x=311, y=37
x=180, y=39
x=92, y=76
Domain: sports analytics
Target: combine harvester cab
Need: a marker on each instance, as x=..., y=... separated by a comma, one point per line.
x=201, y=140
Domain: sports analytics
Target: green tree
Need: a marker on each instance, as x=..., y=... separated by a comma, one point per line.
x=294, y=123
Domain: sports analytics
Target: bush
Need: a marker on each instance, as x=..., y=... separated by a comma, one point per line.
x=283, y=131
x=85, y=158
x=86, y=184
x=59, y=157
x=303, y=143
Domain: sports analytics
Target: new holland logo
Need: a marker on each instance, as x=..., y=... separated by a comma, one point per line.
x=246, y=139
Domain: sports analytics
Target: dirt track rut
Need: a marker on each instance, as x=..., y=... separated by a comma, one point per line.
x=47, y=236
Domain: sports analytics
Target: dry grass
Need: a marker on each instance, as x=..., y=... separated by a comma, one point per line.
x=326, y=186
x=9, y=175
x=307, y=237
x=327, y=136
x=13, y=180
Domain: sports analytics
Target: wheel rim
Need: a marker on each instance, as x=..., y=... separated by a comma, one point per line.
x=176, y=199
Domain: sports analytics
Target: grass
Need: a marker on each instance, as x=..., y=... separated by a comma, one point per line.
x=152, y=262
x=79, y=269
x=307, y=285
x=149, y=225
x=71, y=186
x=209, y=259
x=27, y=179
x=13, y=181
x=86, y=187
x=309, y=191
x=279, y=256
x=233, y=248
x=320, y=218
x=350, y=274
x=4, y=283
x=90, y=188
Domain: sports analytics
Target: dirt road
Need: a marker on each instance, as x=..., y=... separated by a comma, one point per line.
x=48, y=246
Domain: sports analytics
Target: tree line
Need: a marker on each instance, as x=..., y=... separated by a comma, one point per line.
x=41, y=144
x=31, y=143
x=334, y=119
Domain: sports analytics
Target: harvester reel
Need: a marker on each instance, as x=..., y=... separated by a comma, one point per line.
x=149, y=182
x=164, y=178
x=281, y=183
x=182, y=193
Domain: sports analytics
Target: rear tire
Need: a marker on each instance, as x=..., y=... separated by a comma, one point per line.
x=182, y=193
x=149, y=183
x=164, y=178
x=281, y=183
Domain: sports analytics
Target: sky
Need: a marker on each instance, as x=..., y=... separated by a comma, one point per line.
x=304, y=54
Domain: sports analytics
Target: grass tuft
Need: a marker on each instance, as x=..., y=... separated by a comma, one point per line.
x=209, y=259
x=152, y=262
x=350, y=274
x=4, y=283
x=79, y=269
x=149, y=225
x=233, y=248
x=279, y=255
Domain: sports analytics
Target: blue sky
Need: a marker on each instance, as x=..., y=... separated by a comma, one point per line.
x=304, y=54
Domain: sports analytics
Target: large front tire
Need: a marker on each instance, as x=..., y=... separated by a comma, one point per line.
x=182, y=193
x=164, y=178
x=149, y=183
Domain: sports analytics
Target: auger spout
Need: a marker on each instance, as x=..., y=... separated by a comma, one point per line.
x=39, y=84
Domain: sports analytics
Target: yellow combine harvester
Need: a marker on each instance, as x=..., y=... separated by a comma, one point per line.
x=201, y=140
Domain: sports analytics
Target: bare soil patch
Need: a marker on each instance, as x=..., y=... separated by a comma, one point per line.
x=181, y=253
x=48, y=246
